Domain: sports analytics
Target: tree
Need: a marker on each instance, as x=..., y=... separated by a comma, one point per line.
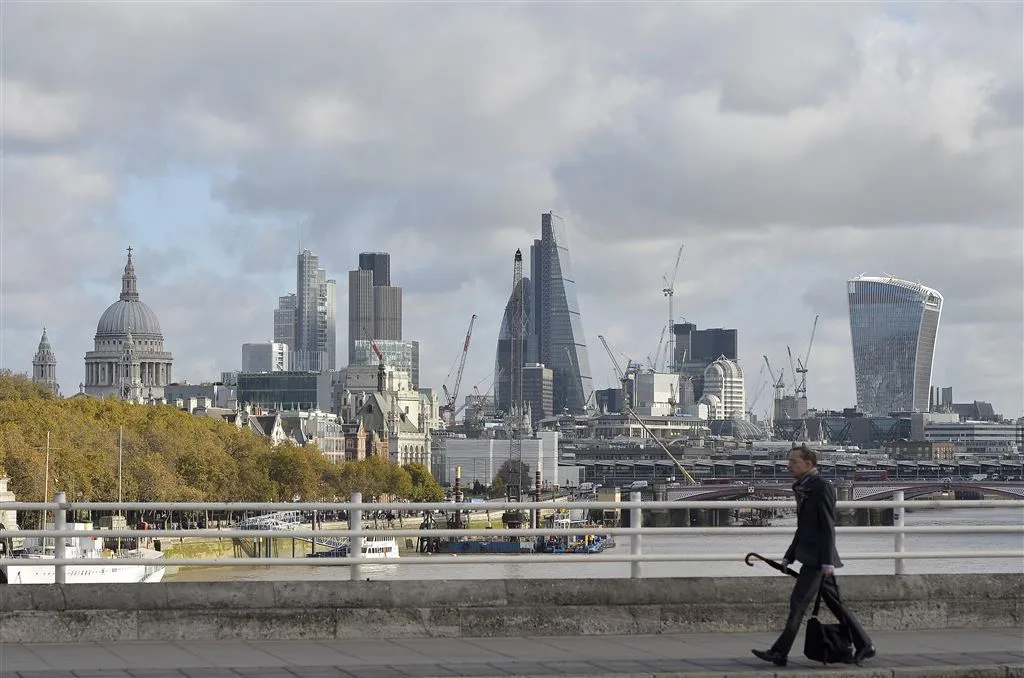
x=425, y=487
x=514, y=473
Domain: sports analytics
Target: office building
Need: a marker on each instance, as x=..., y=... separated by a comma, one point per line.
x=269, y=356
x=403, y=356
x=374, y=305
x=696, y=349
x=315, y=347
x=539, y=391
x=507, y=353
x=558, y=323
x=893, y=329
x=724, y=391
x=284, y=320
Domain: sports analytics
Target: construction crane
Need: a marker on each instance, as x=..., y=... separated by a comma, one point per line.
x=761, y=383
x=669, y=291
x=777, y=382
x=373, y=345
x=514, y=518
x=451, y=398
x=801, y=365
x=626, y=389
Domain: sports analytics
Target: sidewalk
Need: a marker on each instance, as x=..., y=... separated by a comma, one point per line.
x=912, y=654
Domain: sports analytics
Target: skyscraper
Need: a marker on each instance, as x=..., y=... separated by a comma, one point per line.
x=558, y=324
x=893, y=327
x=507, y=353
x=315, y=343
x=374, y=305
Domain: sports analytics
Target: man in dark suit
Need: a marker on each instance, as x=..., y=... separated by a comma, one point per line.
x=814, y=547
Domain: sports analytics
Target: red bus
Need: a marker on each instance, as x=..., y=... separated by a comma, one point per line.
x=871, y=474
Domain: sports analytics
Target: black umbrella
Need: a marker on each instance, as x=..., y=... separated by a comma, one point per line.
x=771, y=563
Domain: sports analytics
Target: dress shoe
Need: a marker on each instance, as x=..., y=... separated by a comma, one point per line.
x=866, y=652
x=772, y=656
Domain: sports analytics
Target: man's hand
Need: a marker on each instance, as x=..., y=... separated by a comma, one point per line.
x=828, y=570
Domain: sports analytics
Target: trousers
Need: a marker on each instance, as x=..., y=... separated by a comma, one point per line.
x=804, y=593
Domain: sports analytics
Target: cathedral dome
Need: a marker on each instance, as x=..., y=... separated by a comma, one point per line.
x=128, y=312
x=124, y=315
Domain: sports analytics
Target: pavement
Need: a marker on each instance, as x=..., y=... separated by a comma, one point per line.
x=978, y=653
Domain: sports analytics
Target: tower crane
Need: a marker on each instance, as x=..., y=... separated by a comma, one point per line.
x=669, y=291
x=451, y=399
x=777, y=382
x=627, y=409
x=801, y=365
x=514, y=518
x=626, y=390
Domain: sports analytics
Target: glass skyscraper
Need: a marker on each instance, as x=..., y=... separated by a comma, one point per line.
x=893, y=326
x=553, y=328
x=557, y=321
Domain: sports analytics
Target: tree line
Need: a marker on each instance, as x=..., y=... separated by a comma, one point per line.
x=166, y=454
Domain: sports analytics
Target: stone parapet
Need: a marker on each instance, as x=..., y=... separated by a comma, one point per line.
x=484, y=608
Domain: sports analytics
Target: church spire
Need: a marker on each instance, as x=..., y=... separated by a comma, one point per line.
x=129, y=283
x=44, y=365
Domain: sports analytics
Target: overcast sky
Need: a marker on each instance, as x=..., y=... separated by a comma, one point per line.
x=788, y=146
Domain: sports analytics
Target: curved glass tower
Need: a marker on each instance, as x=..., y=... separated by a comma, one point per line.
x=506, y=353
x=893, y=326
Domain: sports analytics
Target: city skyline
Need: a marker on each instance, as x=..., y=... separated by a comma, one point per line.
x=784, y=175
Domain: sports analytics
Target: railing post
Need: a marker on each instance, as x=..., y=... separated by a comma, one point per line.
x=901, y=538
x=355, y=544
x=635, y=548
x=60, y=522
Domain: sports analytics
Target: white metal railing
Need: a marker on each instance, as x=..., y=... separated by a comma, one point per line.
x=355, y=531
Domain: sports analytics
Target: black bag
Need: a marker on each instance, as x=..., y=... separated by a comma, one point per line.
x=827, y=643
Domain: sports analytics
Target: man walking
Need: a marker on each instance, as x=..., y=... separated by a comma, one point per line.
x=814, y=547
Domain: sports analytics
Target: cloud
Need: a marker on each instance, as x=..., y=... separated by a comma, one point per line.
x=788, y=148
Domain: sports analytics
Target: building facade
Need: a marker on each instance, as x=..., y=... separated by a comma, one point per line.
x=315, y=348
x=893, y=328
x=267, y=356
x=284, y=320
x=403, y=356
x=374, y=305
x=724, y=391
x=520, y=300
x=44, y=366
x=128, y=359
x=539, y=391
x=558, y=324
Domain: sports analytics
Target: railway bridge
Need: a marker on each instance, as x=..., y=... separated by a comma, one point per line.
x=845, y=490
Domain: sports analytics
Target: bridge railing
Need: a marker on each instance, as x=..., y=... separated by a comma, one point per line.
x=355, y=531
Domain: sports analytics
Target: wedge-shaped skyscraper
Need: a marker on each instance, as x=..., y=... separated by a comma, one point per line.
x=561, y=344
x=893, y=327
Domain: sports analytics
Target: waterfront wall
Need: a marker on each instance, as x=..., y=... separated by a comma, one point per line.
x=481, y=608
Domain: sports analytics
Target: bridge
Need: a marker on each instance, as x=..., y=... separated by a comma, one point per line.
x=861, y=490
x=952, y=625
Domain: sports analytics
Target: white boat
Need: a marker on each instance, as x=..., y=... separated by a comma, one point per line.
x=373, y=547
x=96, y=566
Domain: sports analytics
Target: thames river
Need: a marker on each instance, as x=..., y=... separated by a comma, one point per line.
x=772, y=546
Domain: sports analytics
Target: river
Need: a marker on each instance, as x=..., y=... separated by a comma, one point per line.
x=773, y=546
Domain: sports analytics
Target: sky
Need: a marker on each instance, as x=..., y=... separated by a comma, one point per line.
x=786, y=146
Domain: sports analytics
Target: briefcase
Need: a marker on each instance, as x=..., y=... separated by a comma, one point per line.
x=826, y=643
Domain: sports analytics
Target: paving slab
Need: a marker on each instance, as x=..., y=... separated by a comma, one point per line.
x=980, y=653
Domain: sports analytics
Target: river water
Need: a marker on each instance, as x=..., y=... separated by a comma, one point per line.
x=772, y=546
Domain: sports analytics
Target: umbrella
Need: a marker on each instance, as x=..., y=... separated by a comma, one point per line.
x=771, y=563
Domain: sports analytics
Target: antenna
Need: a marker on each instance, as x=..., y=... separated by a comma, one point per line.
x=298, y=227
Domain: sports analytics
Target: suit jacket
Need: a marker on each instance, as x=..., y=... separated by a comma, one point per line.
x=814, y=543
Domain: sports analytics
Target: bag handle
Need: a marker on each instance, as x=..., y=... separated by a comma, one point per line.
x=817, y=601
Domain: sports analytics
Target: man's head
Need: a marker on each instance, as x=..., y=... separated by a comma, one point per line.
x=801, y=460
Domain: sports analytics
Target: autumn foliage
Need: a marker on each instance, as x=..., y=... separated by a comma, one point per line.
x=170, y=455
